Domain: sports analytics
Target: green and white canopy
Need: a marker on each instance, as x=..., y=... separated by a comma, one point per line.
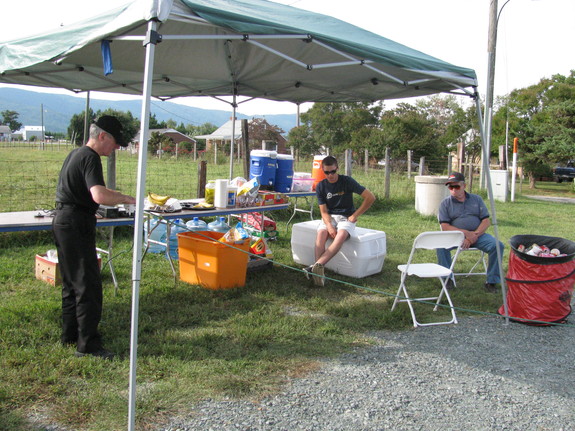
x=252, y=48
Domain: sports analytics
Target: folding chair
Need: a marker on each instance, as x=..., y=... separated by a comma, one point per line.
x=430, y=241
x=482, y=259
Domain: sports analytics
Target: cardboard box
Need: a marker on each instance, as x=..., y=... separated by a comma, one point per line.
x=48, y=271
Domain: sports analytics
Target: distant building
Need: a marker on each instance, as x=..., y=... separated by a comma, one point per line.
x=5, y=134
x=29, y=132
x=224, y=134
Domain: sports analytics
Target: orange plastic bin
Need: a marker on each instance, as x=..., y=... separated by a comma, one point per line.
x=212, y=264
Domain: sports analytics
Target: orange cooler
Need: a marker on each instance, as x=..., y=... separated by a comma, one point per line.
x=317, y=171
x=213, y=265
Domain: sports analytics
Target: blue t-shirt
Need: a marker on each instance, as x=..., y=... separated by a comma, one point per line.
x=463, y=215
x=338, y=196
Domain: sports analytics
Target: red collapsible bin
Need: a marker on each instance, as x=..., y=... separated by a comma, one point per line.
x=540, y=288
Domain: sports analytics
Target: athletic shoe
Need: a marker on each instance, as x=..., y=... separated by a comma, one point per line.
x=307, y=272
x=450, y=284
x=318, y=272
x=100, y=353
x=491, y=287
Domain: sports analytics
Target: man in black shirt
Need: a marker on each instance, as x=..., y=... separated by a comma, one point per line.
x=338, y=215
x=81, y=190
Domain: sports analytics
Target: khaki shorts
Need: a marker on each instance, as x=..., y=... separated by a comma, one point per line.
x=340, y=223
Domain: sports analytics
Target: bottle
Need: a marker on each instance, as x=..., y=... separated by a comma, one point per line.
x=157, y=233
x=196, y=225
x=176, y=227
x=219, y=225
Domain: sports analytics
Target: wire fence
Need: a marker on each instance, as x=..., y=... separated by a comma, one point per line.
x=29, y=174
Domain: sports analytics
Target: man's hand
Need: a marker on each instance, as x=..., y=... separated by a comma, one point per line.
x=471, y=237
x=332, y=232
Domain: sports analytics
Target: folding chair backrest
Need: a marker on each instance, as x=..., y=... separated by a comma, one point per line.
x=439, y=239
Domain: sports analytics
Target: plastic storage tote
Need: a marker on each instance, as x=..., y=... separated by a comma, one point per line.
x=212, y=264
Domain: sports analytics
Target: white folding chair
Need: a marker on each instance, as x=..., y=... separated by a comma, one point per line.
x=482, y=260
x=429, y=241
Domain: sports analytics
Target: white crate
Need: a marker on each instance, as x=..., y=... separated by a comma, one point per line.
x=361, y=255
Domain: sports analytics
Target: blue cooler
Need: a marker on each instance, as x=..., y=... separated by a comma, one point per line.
x=284, y=173
x=263, y=167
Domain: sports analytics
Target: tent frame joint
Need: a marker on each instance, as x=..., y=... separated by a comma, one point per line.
x=152, y=37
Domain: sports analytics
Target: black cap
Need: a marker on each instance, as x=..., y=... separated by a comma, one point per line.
x=112, y=126
x=455, y=177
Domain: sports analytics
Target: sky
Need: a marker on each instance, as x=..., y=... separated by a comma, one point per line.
x=536, y=38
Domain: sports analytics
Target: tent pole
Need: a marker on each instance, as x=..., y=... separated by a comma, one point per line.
x=86, y=119
x=233, y=140
x=151, y=39
x=492, y=205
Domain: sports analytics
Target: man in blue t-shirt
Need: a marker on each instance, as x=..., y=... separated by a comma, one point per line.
x=467, y=213
x=338, y=215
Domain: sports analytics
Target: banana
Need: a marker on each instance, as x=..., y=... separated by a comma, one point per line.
x=157, y=199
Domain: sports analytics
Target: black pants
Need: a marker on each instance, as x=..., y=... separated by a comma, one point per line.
x=75, y=236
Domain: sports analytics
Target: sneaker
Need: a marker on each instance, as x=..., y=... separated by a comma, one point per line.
x=491, y=287
x=450, y=284
x=100, y=353
x=307, y=272
x=318, y=272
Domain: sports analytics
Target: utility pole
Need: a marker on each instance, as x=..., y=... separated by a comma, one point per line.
x=491, y=46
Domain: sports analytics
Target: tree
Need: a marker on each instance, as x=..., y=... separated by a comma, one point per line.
x=408, y=127
x=542, y=116
x=260, y=130
x=10, y=119
x=130, y=125
x=338, y=125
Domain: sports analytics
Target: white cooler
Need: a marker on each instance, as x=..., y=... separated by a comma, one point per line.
x=361, y=255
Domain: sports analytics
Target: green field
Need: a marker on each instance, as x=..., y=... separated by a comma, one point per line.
x=196, y=343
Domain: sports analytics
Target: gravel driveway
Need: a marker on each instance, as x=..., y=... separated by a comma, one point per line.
x=477, y=375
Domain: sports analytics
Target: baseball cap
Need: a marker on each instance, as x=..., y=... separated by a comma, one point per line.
x=111, y=125
x=455, y=177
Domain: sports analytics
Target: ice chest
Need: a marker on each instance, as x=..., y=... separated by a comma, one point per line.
x=49, y=271
x=212, y=264
x=361, y=255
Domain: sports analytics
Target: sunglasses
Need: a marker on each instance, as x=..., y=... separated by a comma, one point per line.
x=330, y=172
x=454, y=186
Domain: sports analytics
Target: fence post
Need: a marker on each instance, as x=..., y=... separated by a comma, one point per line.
x=347, y=155
x=387, y=173
x=421, y=165
x=111, y=183
x=449, y=164
x=409, y=152
x=202, y=173
x=246, y=145
x=366, y=160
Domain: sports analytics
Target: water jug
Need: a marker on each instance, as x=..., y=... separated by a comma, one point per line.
x=157, y=233
x=176, y=227
x=196, y=225
x=219, y=225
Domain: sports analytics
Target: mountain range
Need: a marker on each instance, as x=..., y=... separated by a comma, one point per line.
x=59, y=109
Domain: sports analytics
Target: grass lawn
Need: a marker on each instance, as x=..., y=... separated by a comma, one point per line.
x=196, y=343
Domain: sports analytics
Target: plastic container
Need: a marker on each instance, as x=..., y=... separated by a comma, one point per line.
x=176, y=227
x=210, y=263
x=284, y=173
x=302, y=182
x=157, y=233
x=196, y=225
x=219, y=225
x=361, y=255
x=232, y=193
x=263, y=167
x=317, y=170
x=429, y=192
x=210, y=192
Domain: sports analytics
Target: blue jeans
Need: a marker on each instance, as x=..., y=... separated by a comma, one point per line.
x=485, y=243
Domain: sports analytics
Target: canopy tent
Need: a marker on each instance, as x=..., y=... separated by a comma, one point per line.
x=252, y=48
